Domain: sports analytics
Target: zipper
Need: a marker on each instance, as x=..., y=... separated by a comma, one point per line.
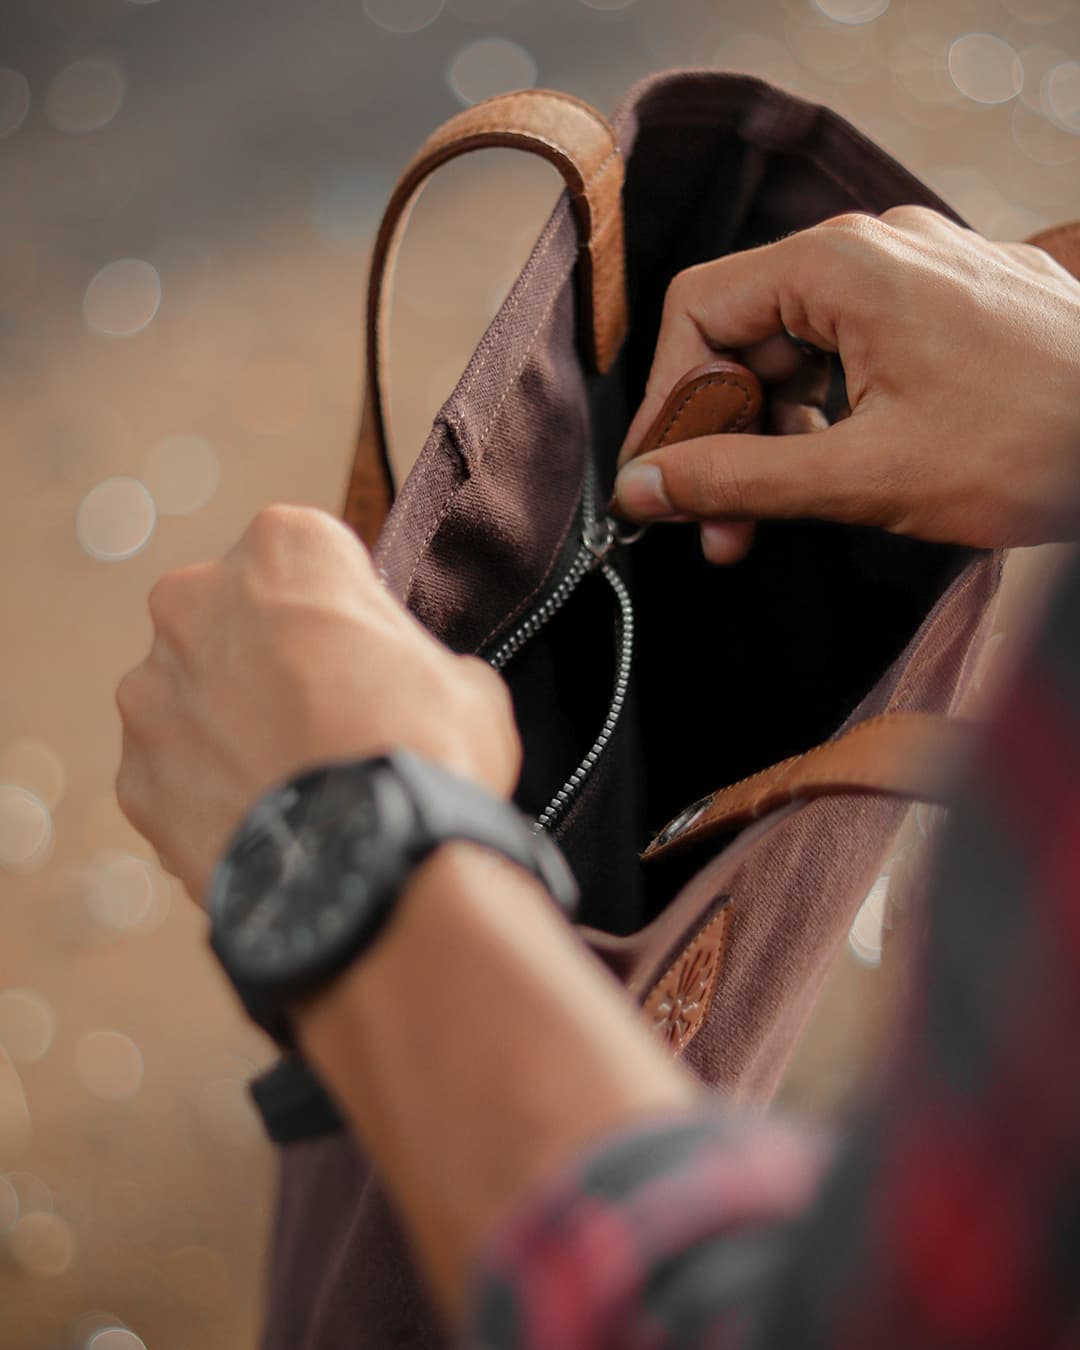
x=600, y=537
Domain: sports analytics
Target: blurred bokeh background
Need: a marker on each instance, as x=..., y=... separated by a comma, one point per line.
x=190, y=190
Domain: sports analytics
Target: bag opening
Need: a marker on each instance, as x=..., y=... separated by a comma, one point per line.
x=735, y=667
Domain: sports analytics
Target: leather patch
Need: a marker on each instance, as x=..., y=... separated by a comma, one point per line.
x=679, y=1000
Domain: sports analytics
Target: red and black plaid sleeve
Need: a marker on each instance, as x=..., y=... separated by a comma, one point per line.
x=952, y=1217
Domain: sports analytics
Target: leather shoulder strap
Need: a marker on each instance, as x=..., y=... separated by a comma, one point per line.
x=581, y=144
x=907, y=755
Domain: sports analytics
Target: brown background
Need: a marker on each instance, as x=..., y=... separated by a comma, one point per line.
x=239, y=153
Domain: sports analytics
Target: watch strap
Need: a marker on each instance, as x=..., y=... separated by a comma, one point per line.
x=452, y=808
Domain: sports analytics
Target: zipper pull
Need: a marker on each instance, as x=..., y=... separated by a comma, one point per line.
x=602, y=536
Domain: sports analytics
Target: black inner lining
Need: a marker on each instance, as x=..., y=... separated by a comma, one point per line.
x=735, y=667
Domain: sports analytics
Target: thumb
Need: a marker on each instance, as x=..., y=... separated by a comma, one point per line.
x=823, y=474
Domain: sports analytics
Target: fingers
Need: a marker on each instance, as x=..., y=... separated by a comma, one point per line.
x=726, y=541
x=744, y=478
x=180, y=603
x=286, y=538
x=744, y=300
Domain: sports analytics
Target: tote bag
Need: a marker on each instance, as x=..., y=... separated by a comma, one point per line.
x=723, y=754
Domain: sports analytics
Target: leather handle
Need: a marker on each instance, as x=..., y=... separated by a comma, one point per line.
x=900, y=754
x=581, y=144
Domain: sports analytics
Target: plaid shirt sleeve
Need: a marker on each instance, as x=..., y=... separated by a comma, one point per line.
x=951, y=1218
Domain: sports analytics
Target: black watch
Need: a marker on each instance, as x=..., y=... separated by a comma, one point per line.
x=313, y=873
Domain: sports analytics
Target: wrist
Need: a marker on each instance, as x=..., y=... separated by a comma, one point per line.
x=323, y=863
x=449, y=889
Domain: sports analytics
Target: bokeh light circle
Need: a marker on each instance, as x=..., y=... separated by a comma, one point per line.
x=1042, y=140
x=1060, y=92
x=865, y=935
x=26, y=830
x=86, y=96
x=985, y=68
x=488, y=67
x=14, y=100
x=27, y=1025
x=116, y=1338
x=122, y=298
x=851, y=11
x=919, y=66
x=182, y=473
x=35, y=1196
x=846, y=52
x=34, y=765
x=109, y=1065
x=115, y=519
x=119, y=889
x=42, y=1244
x=1038, y=61
x=403, y=16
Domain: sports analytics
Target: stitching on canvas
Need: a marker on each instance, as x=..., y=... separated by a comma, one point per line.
x=526, y=275
x=439, y=518
x=532, y=267
x=512, y=304
x=556, y=555
x=404, y=498
x=535, y=336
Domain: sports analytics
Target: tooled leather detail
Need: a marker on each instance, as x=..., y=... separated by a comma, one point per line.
x=678, y=1002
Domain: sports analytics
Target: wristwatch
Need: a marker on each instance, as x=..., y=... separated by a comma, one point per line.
x=314, y=871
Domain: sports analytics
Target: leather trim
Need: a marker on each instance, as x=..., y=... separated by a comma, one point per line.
x=714, y=399
x=907, y=755
x=580, y=143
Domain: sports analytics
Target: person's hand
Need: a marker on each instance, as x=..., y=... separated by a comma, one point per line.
x=962, y=363
x=285, y=654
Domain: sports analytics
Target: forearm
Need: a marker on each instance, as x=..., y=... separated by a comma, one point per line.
x=475, y=1047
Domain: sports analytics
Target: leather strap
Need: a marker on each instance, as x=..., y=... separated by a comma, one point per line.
x=901, y=754
x=581, y=144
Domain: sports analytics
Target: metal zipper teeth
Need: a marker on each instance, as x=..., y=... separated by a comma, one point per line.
x=588, y=559
x=582, y=565
x=557, y=807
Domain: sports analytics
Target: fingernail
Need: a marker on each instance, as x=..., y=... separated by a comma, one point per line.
x=639, y=490
x=721, y=542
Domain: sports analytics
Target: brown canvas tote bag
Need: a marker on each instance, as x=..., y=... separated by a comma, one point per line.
x=814, y=677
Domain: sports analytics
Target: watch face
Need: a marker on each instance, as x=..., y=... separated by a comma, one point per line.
x=305, y=874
